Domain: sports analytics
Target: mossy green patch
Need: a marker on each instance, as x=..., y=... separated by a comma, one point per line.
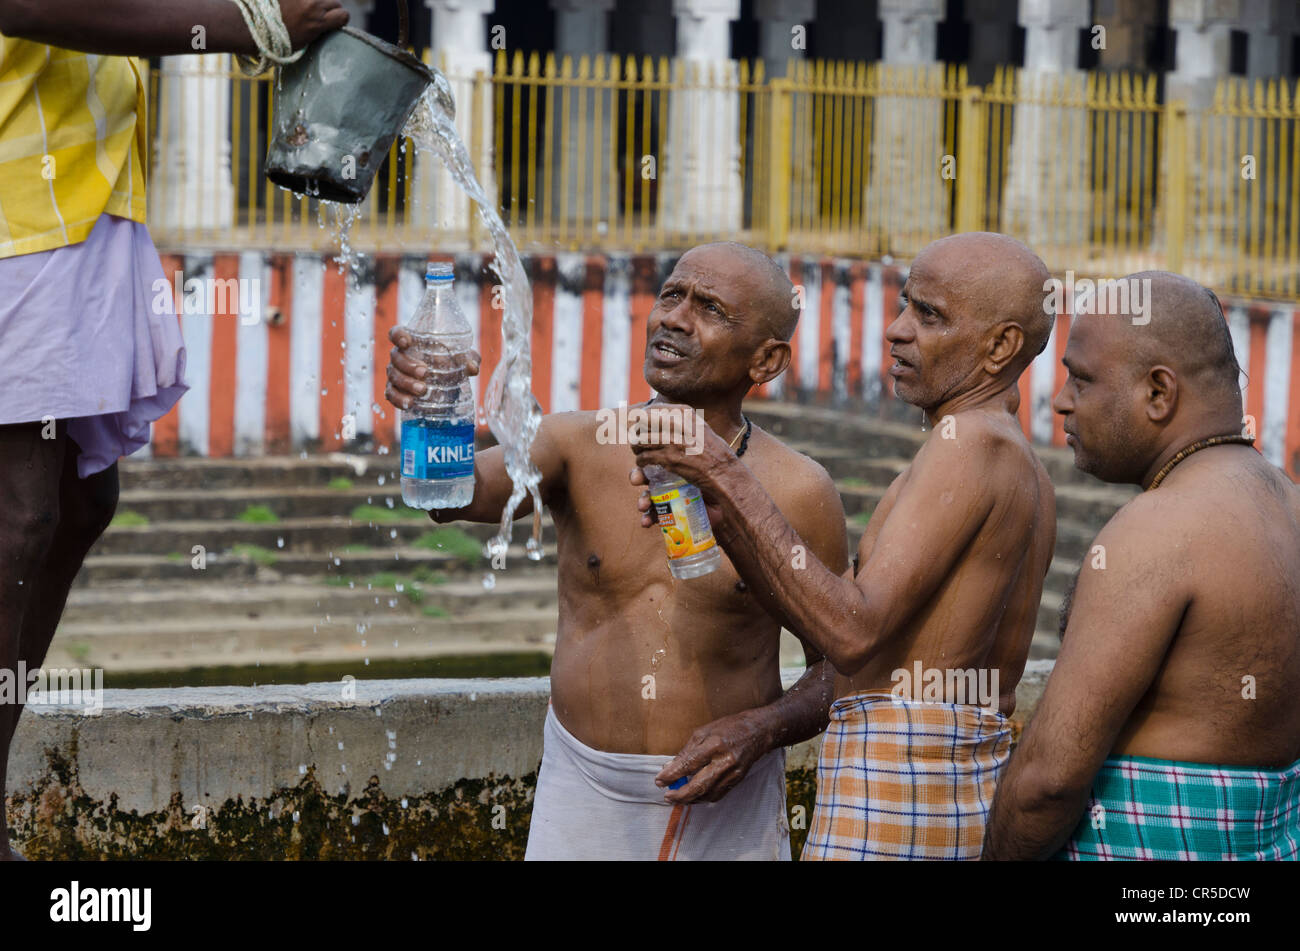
x=340, y=484
x=453, y=541
x=383, y=514
x=258, y=515
x=256, y=553
x=128, y=519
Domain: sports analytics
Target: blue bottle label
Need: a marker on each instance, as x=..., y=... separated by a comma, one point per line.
x=434, y=450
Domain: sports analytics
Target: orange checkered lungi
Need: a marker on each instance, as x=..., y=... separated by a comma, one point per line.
x=906, y=779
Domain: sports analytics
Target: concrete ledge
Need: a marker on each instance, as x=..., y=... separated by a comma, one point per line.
x=395, y=769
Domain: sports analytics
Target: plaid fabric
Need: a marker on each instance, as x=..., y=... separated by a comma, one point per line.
x=906, y=779
x=72, y=144
x=1167, y=810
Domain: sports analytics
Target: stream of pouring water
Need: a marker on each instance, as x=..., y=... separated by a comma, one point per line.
x=513, y=413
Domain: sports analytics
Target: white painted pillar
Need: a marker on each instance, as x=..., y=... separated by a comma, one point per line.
x=459, y=47
x=191, y=188
x=699, y=175
x=583, y=168
x=907, y=198
x=1204, y=55
x=1204, y=48
x=1048, y=197
x=910, y=30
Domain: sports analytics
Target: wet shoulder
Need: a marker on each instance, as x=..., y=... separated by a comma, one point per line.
x=782, y=469
x=988, y=442
x=580, y=428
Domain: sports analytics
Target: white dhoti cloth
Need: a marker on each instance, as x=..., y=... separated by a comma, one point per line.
x=592, y=805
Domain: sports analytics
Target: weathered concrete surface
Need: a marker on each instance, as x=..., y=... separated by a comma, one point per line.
x=395, y=769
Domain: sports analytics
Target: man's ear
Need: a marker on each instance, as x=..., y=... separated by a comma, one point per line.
x=770, y=361
x=1161, y=393
x=1007, y=340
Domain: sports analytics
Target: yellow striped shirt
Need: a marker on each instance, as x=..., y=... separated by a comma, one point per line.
x=72, y=144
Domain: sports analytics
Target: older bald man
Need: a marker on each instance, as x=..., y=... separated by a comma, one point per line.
x=1169, y=728
x=931, y=633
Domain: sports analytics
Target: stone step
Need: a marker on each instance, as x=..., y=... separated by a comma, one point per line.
x=1049, y=608
x=197, y=642
x=227, y=567
x=321, y=534
x=376, y=595
x=194, y=472
x=290, y=501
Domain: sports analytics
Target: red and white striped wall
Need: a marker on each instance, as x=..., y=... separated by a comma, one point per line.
x=319, y=352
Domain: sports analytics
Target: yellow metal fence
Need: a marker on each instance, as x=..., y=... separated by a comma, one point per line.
x=1097, y=172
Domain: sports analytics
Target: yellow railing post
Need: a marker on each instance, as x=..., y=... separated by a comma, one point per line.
x=1176, y=185
x=969, y=180
x=479, y=90
x=778, y=195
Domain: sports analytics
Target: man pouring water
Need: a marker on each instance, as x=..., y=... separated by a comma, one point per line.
x=655, y=678
x=88, y=365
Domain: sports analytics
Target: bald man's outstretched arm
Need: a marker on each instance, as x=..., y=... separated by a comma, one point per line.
x=933, y=521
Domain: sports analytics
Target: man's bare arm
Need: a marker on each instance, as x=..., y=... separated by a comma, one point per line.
x=935, y=518
x=802, y=711
x=720, y=754
x=1121, y=623
x=158, y=27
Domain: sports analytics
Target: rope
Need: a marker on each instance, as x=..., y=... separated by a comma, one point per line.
x=266, y=25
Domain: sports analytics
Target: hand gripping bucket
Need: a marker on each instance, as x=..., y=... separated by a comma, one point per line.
x=338, y=109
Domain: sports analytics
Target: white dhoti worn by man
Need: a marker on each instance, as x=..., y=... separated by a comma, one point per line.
x=592, y=805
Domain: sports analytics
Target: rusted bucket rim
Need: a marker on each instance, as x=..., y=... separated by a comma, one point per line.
x=396, y=52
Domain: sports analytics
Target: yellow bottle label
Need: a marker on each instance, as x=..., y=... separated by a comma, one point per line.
x=684, y=521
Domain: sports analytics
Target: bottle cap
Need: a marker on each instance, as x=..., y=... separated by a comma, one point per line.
x=679, y=783
x=439, y=271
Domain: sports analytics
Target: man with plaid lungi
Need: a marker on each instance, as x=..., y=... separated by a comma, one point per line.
x=949, y=574
x=1169, y=728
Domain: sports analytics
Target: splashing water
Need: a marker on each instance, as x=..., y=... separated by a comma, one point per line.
x=513, y=413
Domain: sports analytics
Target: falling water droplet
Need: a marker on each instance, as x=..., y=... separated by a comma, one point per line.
x=489, y=581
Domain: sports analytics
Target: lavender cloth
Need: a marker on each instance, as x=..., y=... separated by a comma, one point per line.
x=80, y=341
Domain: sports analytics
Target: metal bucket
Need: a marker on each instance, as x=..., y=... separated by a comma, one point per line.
x=338, y=109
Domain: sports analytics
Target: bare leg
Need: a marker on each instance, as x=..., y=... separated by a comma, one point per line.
x=86, y=506
x=30, y=473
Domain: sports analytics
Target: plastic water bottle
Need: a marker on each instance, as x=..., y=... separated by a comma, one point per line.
x=438, y=429
x=679, y=509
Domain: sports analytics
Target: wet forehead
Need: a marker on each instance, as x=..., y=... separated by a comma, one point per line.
x=934, y=278
x=716, y=273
